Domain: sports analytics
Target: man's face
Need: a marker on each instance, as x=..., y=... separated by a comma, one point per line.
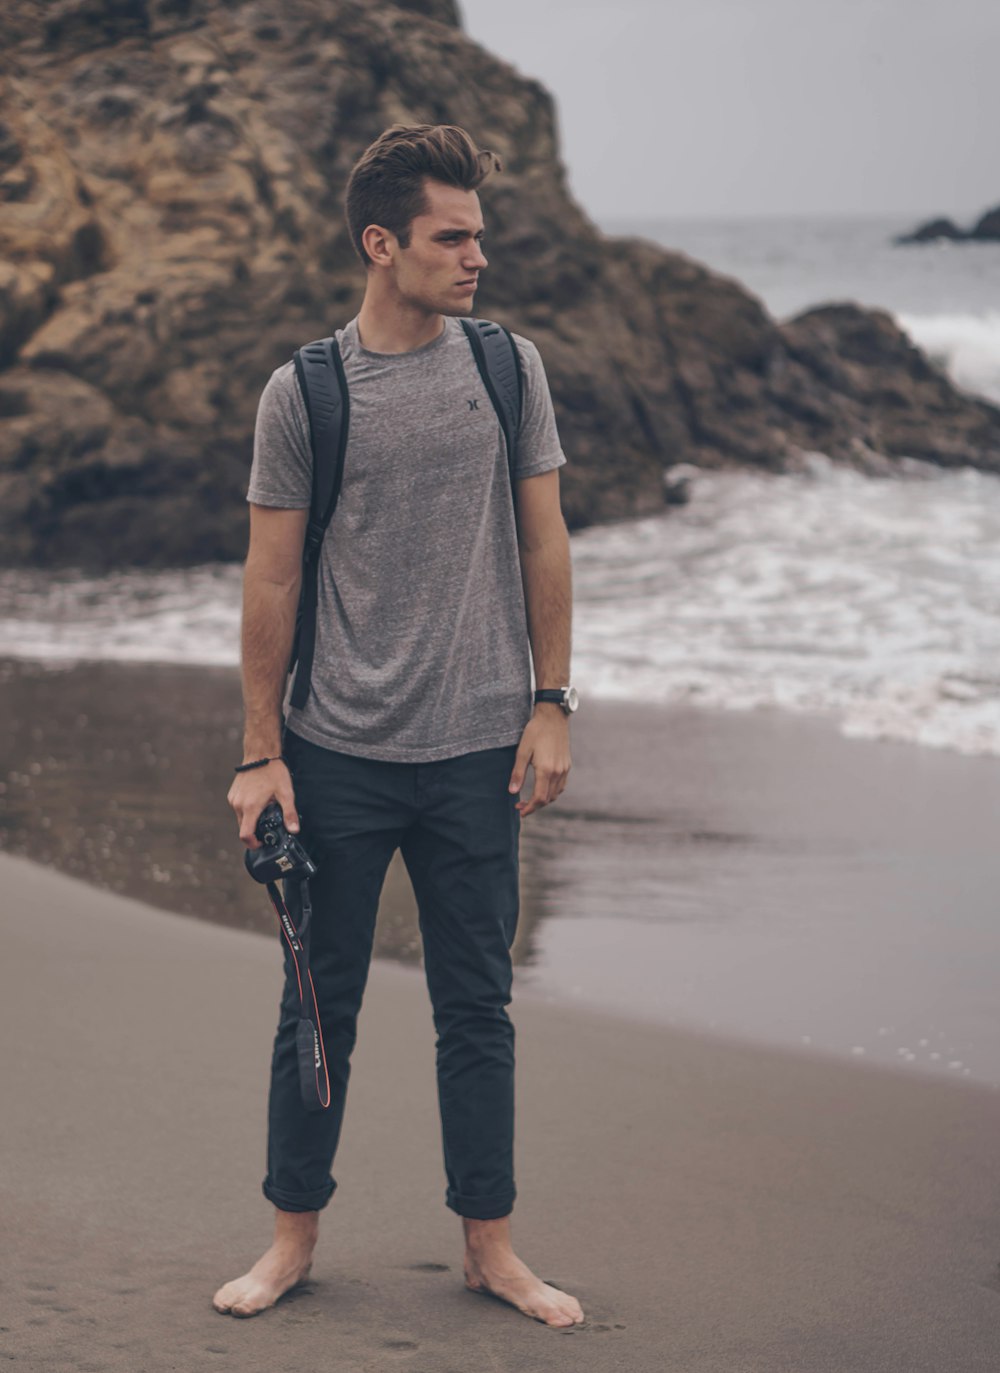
x=439, y=270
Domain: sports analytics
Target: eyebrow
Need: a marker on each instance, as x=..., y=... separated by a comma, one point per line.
x=460, y=233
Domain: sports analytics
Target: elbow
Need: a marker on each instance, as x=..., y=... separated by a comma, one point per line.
x=283, y=579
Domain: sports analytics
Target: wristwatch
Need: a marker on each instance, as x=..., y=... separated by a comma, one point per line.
x=567, y=697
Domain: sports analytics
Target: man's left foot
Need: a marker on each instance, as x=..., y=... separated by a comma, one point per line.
x=492, y=1266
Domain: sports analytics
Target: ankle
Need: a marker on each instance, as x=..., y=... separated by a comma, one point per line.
x=486, y=1236
x=296, y=1229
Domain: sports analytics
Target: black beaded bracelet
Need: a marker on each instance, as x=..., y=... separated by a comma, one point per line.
x=260, y=763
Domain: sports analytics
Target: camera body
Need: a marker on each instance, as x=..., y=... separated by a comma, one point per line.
x=281, y=855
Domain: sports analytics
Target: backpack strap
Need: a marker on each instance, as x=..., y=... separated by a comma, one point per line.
x=320, y=374
x=499, y=365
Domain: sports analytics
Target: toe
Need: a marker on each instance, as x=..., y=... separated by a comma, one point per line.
x=222, y=1301
x=244, y=1310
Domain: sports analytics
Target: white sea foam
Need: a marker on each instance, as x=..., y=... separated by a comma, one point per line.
x=187, y=616
x=966, y=345
x=875, y=600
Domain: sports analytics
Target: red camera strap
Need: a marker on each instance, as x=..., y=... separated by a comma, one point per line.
x=314, y=1080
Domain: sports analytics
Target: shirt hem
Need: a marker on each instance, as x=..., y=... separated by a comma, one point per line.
x=397, y=754
x=276, y=502
x=537, y=466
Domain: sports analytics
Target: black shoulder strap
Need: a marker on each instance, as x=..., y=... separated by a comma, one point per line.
x=320, y=374
x=499, y=365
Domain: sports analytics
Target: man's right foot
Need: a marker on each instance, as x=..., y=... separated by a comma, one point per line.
x=277, y=1271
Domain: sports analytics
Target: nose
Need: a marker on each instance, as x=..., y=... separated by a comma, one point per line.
x=475, y=259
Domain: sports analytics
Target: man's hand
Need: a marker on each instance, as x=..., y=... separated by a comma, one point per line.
x=545, y=745
x=252, y=791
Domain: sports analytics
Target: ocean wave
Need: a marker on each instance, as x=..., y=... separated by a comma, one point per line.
x=875, y=600
x=967, y=346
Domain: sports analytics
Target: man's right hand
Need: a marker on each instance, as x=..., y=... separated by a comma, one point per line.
x=252, y=791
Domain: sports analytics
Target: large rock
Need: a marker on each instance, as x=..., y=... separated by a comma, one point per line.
x=933, y=231
x=987, y=227
x=985, y=230
x=172, y=174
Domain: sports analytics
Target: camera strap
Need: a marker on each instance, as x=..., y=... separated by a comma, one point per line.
x=314, y=1080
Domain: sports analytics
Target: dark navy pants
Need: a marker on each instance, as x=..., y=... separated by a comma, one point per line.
x=457, y=828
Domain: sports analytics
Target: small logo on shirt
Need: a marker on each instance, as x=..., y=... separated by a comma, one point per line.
x=474, y=404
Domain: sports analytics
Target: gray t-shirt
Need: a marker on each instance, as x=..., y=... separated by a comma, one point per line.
x=421, y=642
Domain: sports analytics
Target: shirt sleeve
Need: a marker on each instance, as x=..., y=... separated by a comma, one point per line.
x=281, y=474
x=538, y=446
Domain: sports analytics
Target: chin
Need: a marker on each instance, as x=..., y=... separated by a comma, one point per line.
x=461, y=306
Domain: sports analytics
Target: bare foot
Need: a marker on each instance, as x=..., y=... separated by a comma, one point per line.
x=492, y=1266
x=285, y=1264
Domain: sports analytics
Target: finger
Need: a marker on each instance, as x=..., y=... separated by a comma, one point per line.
x=248, y=826
x=521, y=762
x=535, y=801
x=286, y=800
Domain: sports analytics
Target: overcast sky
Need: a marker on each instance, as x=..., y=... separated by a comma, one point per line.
x=688, y=107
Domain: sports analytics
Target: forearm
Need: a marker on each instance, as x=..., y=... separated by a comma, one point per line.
x=546, y=576
x=269, y=609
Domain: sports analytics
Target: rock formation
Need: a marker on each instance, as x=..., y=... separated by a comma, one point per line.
x=171, y=178
x=985, y=230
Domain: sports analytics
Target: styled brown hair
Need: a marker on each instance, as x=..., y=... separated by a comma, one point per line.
x=386, y=186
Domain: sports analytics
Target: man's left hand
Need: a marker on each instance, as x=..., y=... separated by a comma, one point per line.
x=545, y=745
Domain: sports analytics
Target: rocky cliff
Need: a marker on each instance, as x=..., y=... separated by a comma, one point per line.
x=985, y=230
x=171, y=176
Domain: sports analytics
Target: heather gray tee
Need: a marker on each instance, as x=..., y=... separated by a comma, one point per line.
x=421, y=645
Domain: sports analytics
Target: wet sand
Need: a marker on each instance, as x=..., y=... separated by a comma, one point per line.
x=754, y=875
x=717, y=1208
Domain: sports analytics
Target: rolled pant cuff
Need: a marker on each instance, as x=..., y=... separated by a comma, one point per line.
x=299, y=1201
x=480, y=1208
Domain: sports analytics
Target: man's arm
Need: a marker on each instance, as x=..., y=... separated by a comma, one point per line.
x=271, y=581
x=546, y=577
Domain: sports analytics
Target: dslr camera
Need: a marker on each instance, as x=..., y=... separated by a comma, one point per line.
x=281, y=855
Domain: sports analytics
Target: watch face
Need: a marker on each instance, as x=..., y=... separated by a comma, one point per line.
x=572, y=699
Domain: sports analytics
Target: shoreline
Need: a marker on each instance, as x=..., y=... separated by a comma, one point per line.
x=752, y=875
x=133, y=1147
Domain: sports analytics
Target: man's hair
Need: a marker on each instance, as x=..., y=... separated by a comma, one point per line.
x=386, y=185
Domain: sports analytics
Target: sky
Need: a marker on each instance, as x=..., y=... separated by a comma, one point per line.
x=757, y=107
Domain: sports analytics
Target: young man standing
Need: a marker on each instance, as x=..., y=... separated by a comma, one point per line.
x=419, y=726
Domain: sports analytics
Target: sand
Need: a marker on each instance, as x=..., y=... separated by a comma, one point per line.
x=750, y=873
x=716, y=1208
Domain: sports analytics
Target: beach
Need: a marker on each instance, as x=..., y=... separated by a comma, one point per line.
x=714, y=1206
x=718, y=1204
x=751, y=874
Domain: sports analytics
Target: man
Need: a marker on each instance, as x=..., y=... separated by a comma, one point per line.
x=419, y=726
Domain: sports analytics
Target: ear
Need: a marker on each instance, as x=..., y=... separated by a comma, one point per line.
x=380, y=245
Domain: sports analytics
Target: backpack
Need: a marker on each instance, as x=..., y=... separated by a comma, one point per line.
x=320, y=374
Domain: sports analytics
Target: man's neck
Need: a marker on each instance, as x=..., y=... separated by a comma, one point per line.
x=387, y=324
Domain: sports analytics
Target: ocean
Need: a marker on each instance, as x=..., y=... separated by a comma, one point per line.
x=872, y=601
